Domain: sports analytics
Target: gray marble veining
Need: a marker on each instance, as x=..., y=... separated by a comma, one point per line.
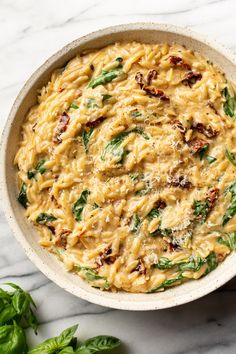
x=30, y=31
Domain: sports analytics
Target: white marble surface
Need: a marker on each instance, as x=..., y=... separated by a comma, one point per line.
x=30, y=31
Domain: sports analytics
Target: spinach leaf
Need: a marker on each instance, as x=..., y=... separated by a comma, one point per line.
x=114, y=144
x=44, y=218
x=79, y=205
x=164, y=263
x=74, y=106
x=228, y=240
x=136, y=223
x=211, y=159
x=229, y=104
x=231, y=210
x=211, y=261
x=134, y=176
x=154, y=213
x=203, y=151
x=22, y=198
x=230, y=156
x=91, y=275
x=119, y=59
x=201, y=209
x=86, y=135
x=105, y=77
x=193, y=264
x=53, y=345
x=91, y=103
x=39, y=168
x=166, y=232
x=106, y=97
x=12, y=340
x=167, y=283
x=99, y=344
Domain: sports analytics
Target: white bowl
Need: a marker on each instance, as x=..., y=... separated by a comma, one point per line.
x=25, y=233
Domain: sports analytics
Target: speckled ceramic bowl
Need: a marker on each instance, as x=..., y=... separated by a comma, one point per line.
x=25, y=232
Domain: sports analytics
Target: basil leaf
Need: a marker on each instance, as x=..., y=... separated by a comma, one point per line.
x=193, y=264
x=166, y=232
x=203, y=151
x=106, y=97
x=79, y=205
x=228, y=240
x=201, y=209
x=210, y=159
x=136, y=223
x=211, y=262
x=164, y=263
x=22, y=198
x=91, y=275
x=86, y=135
x=229, y=104
x=21, y=302
x=82, y=350
x=12, y=340
x=167, y=283
x=154, y=213
x=55, y=344
x=105, y=77
x=114, y=144
x=39, y=168
x=68, y=350
x=231, y=210
x=74, y=106
x=44, y=218
x=7, y=314
x=230, y=156
x=101, y=343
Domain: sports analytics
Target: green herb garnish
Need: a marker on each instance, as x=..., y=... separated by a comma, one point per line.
x=230, y=156
x=229, y=104
x=74, y=106
x=86, y=135
x=228, y=240
x=211, y=261
x=114, y=144
x=154, y=213
x=201, y=209
x=78, y=207
x=38, y=169
x=105, y=77
x=203, y=151
x=91, y=275
x=166, y=232
x=22, y=198
x=210, y=159
x=44, y=218
x=231, y=210
x=136, y=223
x=167, y=283
x=106, y=97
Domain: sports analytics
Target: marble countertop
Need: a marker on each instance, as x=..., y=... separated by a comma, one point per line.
x=30, y=32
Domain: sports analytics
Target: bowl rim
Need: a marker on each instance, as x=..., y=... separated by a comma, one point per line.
x=99, y=299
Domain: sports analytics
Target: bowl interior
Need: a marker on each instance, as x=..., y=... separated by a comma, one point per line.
x=25, y=232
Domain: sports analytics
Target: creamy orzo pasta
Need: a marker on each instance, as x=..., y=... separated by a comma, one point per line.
x=127, y=166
